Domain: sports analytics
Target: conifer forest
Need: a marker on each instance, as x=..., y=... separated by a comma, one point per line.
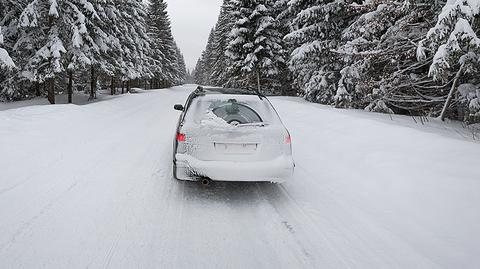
x=412, y=57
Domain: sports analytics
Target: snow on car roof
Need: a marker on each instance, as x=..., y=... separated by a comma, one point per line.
x=228, y=96
x=238, y=91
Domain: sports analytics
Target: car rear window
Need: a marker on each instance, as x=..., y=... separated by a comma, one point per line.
x=233, y=109
x=235, y=113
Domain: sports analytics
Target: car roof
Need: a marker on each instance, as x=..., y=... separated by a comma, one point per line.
x=236, y=91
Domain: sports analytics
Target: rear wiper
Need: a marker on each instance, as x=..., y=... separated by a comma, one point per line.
x=259, y=124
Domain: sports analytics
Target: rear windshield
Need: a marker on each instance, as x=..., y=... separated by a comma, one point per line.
x=232, y=109
x=235, y=113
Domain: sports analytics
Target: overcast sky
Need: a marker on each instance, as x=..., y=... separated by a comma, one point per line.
x=192, y=21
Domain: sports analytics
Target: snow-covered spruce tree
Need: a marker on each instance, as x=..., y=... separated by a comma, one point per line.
x=455, y=44
x=134, y=41
x=6, y=62
x=363, y=45
x=56, y=36
x=181, y=67
x=162, y=38
x=256, y=47
x=42, y=25
x=190, y=77
x=109, y=53
x=90, y=49
x=5, y=59
x=111, y=42
x=122, y=48
x=155, y=23
x=317, y=31
x=80, y=45
x=209, y=58
x=200, y=72
x=204, y=67
x=378, y=55
x=283, y=19
x=218, y=73
x=61, y=39
x=10, y=82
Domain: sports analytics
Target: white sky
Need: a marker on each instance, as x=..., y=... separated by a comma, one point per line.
x=192, y=21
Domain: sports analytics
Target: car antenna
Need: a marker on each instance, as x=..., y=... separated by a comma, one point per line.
x=257, y=91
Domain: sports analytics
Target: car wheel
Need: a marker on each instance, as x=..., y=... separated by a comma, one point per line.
x=174, y=171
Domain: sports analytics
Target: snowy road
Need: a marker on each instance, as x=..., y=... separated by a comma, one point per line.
x=91, y=187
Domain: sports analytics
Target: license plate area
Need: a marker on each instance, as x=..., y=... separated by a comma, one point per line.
x=235, y=148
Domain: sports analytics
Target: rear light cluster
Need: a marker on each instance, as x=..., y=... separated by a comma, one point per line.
x=288, y=139
x=181, y=137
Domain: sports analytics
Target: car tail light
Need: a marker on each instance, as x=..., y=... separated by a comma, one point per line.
x=181, y=137
x=288, y=139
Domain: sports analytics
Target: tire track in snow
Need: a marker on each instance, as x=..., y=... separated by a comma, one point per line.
x=321, y=254
x=25, y=226
x=86, y=169
x=349, y=225
x=130, y=204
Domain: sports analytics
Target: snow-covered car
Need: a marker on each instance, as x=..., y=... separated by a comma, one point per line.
x=231, y=135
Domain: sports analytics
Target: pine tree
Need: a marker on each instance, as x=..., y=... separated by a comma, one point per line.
x=283, y=18
x=135, y=43
x=456, y=48
x=218, y=72
x=58, y=36
x=317, y=30
x=109, y=54
x=42, y=24
x=255, y=49
x=6, y=63
x=5, y=59
x=190, y=77
x=155, y=23
x=161, y=35
x=11, y=82
x=209, y=59
x=200, y=72
x=79, y=43
x=181, y=67
x=54, y=42
x=453, y=38
x=363, y=45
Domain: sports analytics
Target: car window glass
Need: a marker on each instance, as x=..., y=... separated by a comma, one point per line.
x=235, y=113
x=234, y=109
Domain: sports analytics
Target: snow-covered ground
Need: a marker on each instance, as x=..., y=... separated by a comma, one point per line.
x=91, y=187
x=79, y=98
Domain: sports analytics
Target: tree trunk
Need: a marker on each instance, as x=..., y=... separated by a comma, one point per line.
x=112, y=86
x=37, y=88
x=129, y=86
x=70, y=86
x=123, y=86
x=51, y=90
x=451, y=93
x=93, y=83
x=258, y=81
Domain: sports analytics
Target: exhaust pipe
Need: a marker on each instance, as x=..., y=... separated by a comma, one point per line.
x=205, y=182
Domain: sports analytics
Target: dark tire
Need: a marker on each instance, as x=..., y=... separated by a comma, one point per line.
x=174, y=171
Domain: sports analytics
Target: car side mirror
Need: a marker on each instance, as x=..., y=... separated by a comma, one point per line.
x=178, y=107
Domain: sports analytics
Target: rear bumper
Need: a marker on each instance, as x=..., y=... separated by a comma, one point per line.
x=278, y=170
